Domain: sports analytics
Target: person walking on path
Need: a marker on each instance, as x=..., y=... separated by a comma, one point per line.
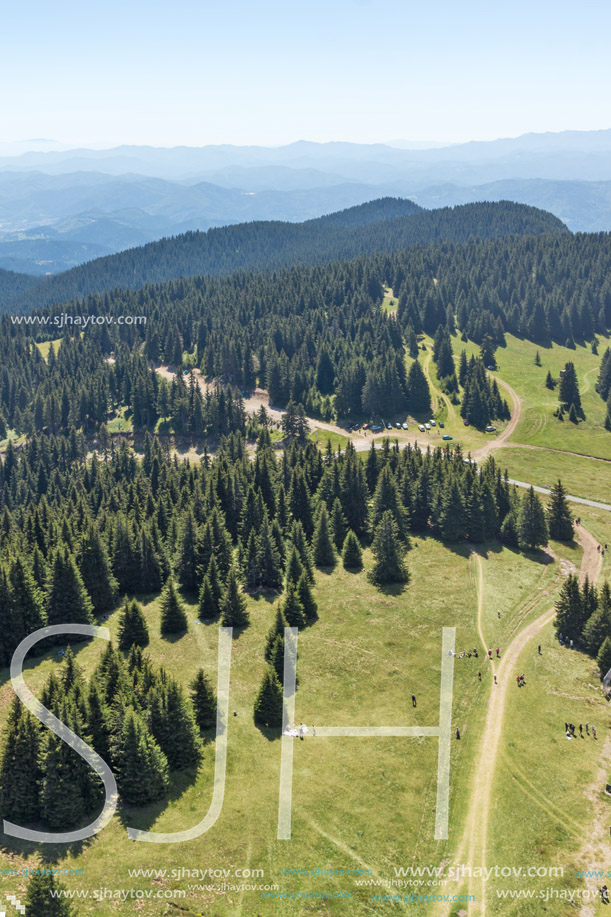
x=498, y=653
x=539, y=649
x=594, y=731
x=587, y=729
x=490, y=654
x=495, y=681
x=479, y=675
x=581, y=730
x=457, y=733
x=413, y=700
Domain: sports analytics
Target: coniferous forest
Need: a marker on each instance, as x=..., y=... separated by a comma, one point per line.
x=88, y=525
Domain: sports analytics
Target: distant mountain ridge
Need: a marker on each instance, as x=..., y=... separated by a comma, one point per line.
x=380, y=225
x=79, y=204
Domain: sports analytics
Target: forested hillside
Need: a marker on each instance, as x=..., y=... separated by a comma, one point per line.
x=314, y=335
x=13, y=285
x=263, y=246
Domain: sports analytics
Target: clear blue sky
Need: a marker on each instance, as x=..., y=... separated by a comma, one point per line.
x=170, y=72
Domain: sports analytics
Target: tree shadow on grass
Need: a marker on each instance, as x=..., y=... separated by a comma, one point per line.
x=49, y=853
x=328, y=570
x=261, y=594
x=271, y=733
x=392, y=589
x=144, y=817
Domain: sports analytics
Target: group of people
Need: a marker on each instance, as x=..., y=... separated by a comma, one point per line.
x=521, y=680
x=601, y=550
x=569, y=729
x=301, y=731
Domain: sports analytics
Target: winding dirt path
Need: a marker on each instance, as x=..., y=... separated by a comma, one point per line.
x=492, y=445
x=475, y=834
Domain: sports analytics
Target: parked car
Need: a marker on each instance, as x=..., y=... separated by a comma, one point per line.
x=441, y=424
x=405, y=426
x=427, y=426
x=365, y=426
x=465, y=421
x=389, y=426
x=490, y=428
x=421, y=428
x=491, y=368
x=432, y=422
x=446, y=436
x=398, y=425
x=376, y=428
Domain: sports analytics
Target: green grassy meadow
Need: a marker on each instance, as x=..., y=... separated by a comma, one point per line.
x=516, y=365
x=357, y=804
x=581, y=476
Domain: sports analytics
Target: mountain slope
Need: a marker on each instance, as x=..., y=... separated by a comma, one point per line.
x=262, y=246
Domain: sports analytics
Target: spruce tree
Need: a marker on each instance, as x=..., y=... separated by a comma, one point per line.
x=294, y=568
x=268, y=703
x=70, y=673
x=141, y=767
x=208, y=608
x=532, y=527
x=322, y=543
x=19, y=770
x=559, y=519
x=389, y=566
x=570, y=620
x=43, y=897
x=171, y=721
x=96, y=571
x=298, y=539
x=352, y=556
x=277, y=629
x=27, y=600
x=204, y=701
x=269, y=565
x=187, y=557
x=308, y=602
x=338, y=524
x=386, y=497
x=292, y=609
x=173, y=617
x=98, y=721
x=549, y=381
x=597, y=628
x=69, y=786
x=568, y=394
x=67, y=599
x=419, y=396
x=604, y=657
x=453, y=518
x=133, y=629
x=277, y=658
x=233, y=606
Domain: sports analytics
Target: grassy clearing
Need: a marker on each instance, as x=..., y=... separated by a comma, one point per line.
x=390, y=302
x=44, y=346
x=542, y=813
x=121, y=422
x=321, y=437
x=443, y=409
x=356, y=803
x=581, y=477
x=538, y=425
